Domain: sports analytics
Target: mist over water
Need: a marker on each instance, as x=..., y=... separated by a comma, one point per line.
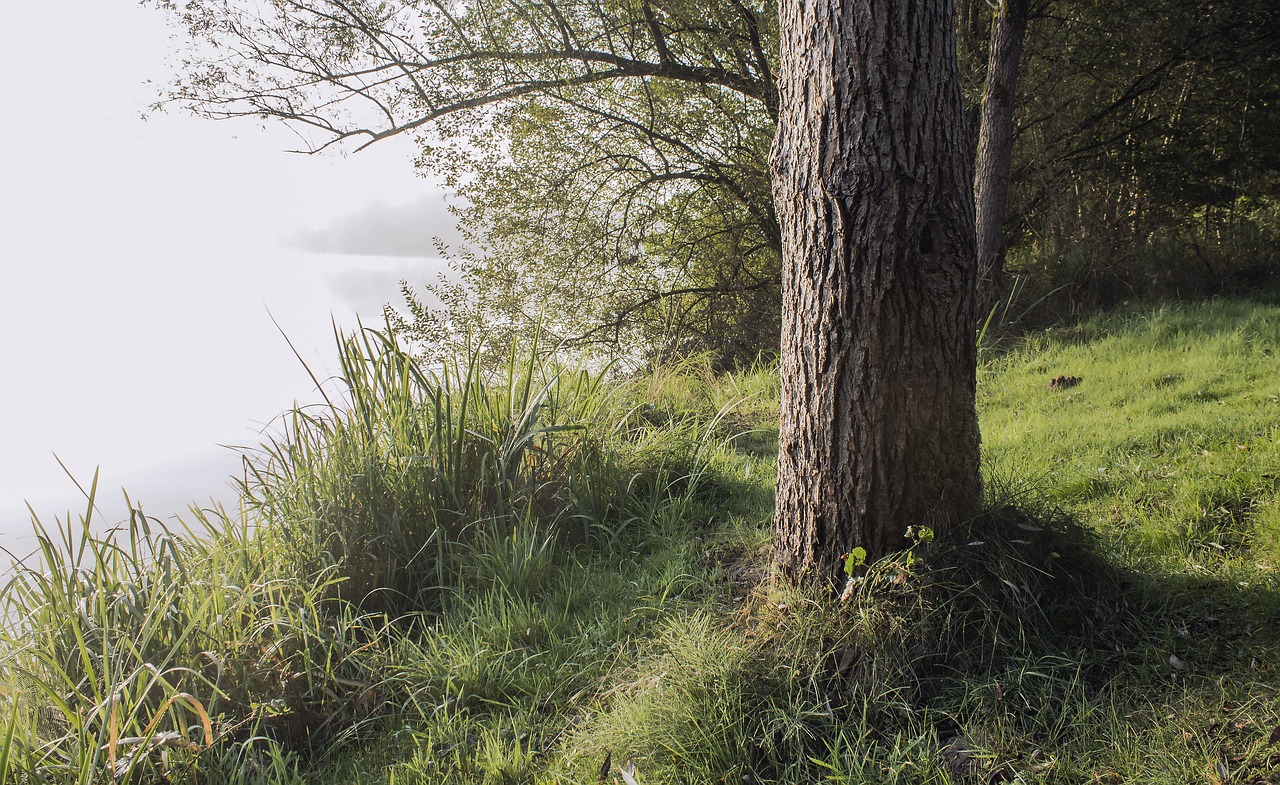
x=250, y=368
x=147, y=262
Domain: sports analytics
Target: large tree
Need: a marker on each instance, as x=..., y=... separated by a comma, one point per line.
x=873, y=191
x=614, y=151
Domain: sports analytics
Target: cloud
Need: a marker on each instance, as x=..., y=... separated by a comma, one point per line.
x=366, y=290
x=380, y=229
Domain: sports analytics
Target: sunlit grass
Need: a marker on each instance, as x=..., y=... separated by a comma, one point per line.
x=284, y=632
x=1171, y=441
x=530, y=571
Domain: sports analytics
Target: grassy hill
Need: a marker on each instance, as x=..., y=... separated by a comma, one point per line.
x=537, y=573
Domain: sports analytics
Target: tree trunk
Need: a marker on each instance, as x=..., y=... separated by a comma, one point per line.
x=995, y=145
x=873, y=188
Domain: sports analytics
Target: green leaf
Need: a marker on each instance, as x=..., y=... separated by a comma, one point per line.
x=855, y=558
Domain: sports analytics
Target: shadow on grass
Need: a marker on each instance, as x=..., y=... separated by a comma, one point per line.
x=1023, y=650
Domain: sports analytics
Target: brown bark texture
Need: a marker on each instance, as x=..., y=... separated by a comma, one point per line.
x=995, y=145
x=872, y=183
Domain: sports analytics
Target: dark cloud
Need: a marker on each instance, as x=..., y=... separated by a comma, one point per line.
x=408, y=229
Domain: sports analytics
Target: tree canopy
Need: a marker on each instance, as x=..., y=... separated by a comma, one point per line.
x=610, y=155
x=603, y=148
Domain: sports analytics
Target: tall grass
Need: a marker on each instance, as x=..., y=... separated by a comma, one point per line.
x=387, y=482
x=141, y=654
x=128, y=656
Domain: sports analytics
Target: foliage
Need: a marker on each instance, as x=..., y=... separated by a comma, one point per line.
x=611, y=157
x=612, y=154
x=631, y=214
x=1148, y=141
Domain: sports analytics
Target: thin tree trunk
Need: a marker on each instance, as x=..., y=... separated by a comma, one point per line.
x=995, y=145
x=874, y=192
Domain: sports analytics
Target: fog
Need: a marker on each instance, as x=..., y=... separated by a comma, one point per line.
x=148, y=261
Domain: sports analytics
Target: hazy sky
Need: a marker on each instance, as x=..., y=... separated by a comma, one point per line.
x=141, y=262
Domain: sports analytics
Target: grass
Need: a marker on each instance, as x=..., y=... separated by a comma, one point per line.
x=525, y=571
x=1172, y=439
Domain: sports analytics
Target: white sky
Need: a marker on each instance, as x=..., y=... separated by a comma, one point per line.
x=138, y=261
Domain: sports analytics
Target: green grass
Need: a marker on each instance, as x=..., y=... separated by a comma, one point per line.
x=527, y=571
x=1170, y=444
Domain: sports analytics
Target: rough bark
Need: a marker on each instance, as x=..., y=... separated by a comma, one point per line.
x=995, y=144
x=873, y=188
